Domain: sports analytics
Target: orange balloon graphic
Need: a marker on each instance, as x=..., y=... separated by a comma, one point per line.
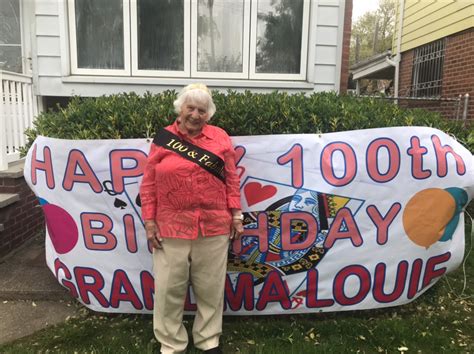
x=426, y=215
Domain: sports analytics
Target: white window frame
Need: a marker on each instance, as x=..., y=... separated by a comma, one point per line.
x=130, y=35
x=22, y=39
x=303, y=54
x=245, y=47
x=134, y=42
x=126, y=45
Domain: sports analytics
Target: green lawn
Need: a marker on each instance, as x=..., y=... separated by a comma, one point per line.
x=441, y=320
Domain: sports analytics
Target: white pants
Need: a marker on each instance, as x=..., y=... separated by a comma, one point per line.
x=202, y=262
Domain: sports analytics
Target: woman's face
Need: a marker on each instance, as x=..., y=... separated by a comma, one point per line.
x=194, y=115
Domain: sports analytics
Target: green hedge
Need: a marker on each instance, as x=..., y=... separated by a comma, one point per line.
x=129, y=115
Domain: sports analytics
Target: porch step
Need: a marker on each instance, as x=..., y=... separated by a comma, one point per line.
x=8, y=198
x=24, y=275
x=15, y=170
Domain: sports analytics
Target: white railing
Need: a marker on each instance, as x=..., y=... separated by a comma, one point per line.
x=18, y=108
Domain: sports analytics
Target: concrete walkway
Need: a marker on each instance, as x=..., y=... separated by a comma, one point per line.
x=20, y=318
x=30, y=297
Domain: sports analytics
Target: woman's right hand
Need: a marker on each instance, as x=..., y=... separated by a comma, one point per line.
x=152, y=234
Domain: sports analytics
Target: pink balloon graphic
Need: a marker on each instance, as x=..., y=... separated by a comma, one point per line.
x=61, y=228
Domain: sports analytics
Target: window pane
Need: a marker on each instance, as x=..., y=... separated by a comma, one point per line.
x=161, y=35
x=10, y=36
x=10, y=22
x=220, y=31
x=99, y=33
x=10, y=58
x=279, y=31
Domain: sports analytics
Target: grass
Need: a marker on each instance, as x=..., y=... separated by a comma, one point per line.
x=441, y=320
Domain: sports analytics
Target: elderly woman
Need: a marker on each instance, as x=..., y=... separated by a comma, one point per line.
x=191, y=207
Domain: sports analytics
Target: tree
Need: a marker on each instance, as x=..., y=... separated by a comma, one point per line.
x=373, y=32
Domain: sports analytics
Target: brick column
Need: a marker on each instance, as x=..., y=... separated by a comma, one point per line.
x=406, y=69
x=21, y=220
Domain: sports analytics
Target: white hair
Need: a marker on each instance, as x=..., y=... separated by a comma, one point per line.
x=195, y=93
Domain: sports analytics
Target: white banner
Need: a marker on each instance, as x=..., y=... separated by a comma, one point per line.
x=341, y=221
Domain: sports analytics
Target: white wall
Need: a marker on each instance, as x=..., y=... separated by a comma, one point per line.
x=52, y=74
x=47, y=62
x=328, y=44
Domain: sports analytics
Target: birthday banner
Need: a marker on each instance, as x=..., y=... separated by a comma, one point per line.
x=342, y=221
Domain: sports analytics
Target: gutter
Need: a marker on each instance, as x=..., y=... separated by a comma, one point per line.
x=398, y=57
x=391, y=62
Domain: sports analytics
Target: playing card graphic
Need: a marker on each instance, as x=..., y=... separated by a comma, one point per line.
x=278, y=201
x=125, y=200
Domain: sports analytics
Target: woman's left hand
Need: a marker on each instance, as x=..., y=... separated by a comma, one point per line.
x=237, y=229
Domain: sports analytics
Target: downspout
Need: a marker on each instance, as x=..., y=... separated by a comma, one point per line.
x=398, y=57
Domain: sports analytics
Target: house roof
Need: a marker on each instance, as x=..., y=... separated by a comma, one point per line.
x=378, y=66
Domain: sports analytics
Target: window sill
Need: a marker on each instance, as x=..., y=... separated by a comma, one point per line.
x=225, y=83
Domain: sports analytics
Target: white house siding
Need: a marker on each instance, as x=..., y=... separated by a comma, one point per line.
x=52, y=77
x=328, y=42
x=48, y=47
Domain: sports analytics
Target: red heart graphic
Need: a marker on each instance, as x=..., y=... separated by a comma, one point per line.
x=239, y=154
x=256, y=193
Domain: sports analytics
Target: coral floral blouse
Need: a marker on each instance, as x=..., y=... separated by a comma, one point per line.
x=182, y=197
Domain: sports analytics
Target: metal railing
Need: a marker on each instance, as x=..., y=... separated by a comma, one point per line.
x=18, y=109
x=457, y=107
x=427, y=77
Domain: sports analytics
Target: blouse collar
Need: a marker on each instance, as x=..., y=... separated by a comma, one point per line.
x=207, y=131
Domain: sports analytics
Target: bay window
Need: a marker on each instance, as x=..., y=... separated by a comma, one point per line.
x=280, y=41
x=98, y=34
x=160, y=33
x=220, y=38
x=229, y=39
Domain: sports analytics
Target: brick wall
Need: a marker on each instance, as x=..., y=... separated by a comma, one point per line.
x=458, y=74
x=458, y=71
x=22, y=220
x=346, y=43
x=406, y=66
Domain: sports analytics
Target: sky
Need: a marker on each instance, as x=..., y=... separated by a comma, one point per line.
x=363, y=6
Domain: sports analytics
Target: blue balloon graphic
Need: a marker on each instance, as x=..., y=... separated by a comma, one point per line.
x=460, y=198
x=42, y=201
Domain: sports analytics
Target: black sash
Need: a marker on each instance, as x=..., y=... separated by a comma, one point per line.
x=204, y=158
